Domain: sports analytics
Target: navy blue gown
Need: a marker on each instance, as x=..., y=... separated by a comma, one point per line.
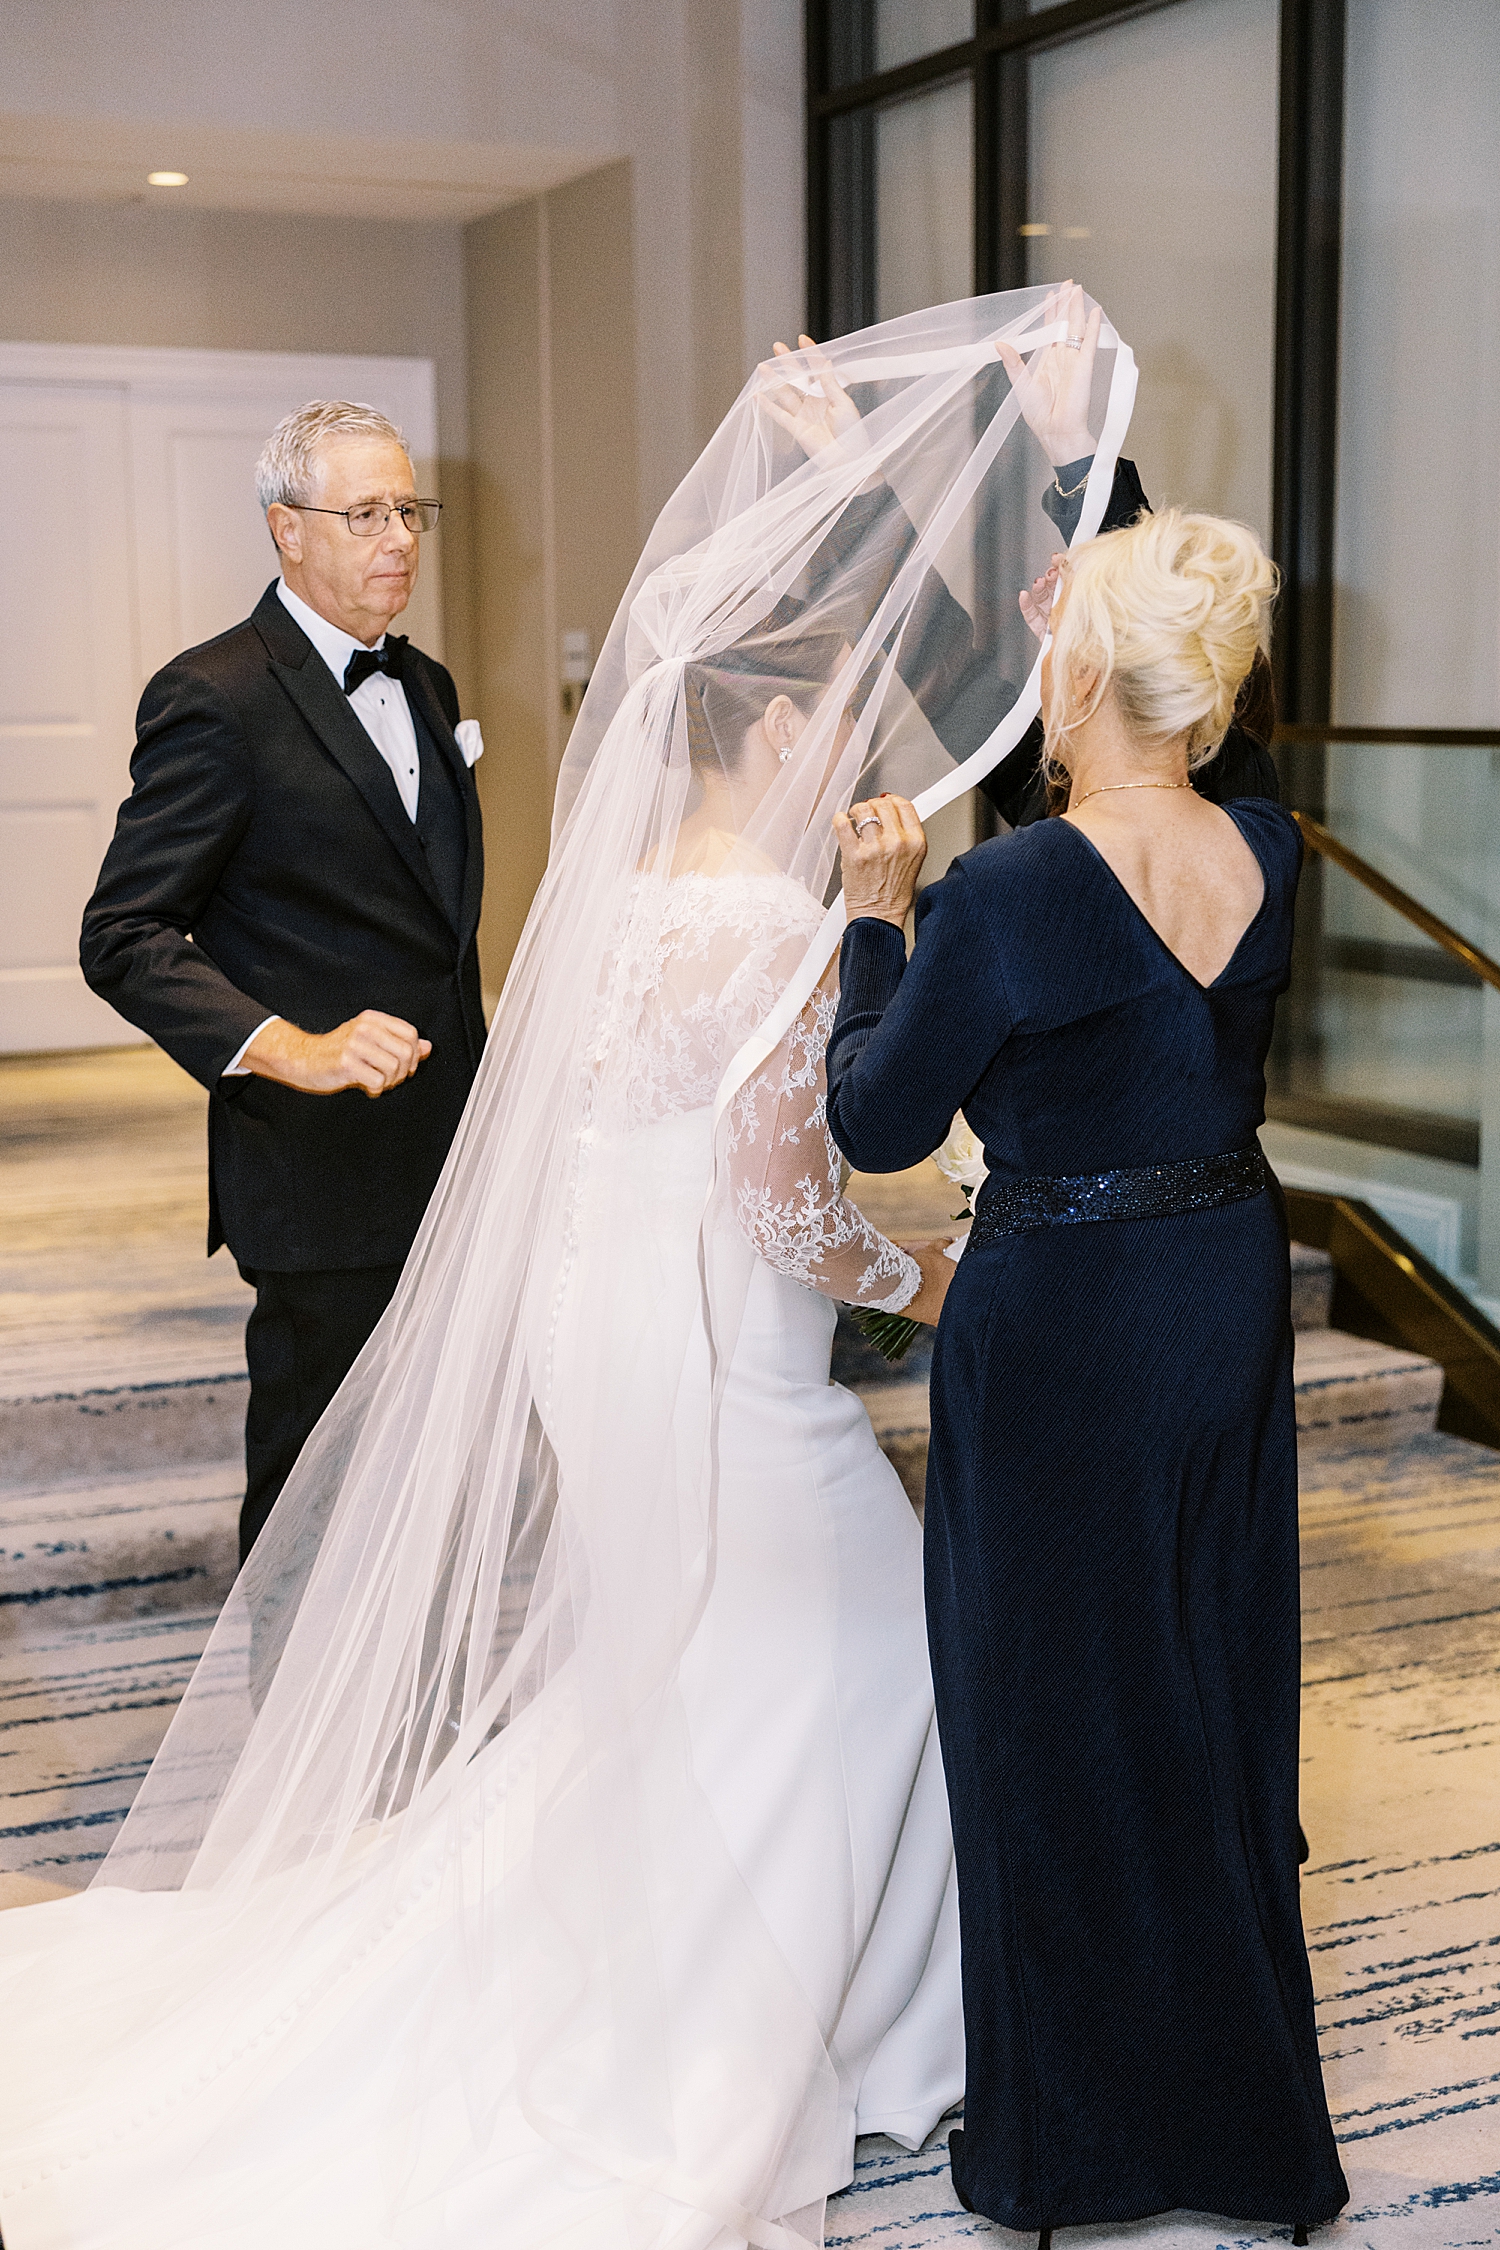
x=1111, y=1542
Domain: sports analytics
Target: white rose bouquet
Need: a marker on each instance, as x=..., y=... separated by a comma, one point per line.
x=961, y=1160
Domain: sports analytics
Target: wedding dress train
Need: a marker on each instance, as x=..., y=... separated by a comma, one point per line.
x=806, y=1724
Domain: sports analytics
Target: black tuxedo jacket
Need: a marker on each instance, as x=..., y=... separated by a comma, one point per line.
x=264, y=864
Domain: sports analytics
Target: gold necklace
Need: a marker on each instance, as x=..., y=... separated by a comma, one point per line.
x=1106, y=789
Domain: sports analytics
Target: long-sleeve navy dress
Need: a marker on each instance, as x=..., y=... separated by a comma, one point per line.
x=1111, y=1542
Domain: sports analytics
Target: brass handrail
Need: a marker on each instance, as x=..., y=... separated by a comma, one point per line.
x=1324, y=842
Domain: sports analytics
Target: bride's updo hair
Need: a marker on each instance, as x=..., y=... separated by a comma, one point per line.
x=1170, y=613
x=725, y=695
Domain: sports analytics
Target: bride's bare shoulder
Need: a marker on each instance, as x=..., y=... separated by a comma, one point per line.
x=712, y=852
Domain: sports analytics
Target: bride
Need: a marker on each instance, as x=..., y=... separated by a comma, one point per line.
x=552, y=1846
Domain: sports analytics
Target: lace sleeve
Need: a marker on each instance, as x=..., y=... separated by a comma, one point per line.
x=785, y=1173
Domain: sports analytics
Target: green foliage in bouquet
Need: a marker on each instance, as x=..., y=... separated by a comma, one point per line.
x=889, y=1332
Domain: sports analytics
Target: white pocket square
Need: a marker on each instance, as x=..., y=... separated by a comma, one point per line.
x=469, y=739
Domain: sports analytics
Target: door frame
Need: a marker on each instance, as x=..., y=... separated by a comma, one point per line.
x=161, y=376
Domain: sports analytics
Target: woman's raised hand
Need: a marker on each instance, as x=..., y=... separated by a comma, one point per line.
x=1054, y=390
x=882, y=846
x=1038, y=597
x=814, y=418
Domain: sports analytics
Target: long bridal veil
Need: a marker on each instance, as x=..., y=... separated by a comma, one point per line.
x=440, y=1726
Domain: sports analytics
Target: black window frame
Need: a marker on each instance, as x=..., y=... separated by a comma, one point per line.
x=1309, y=227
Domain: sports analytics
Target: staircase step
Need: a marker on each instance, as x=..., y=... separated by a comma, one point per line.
x=1312, y=1286
x=1354, y=1396
x=82, y=1713
x=100, y=1410
x=119, y=1547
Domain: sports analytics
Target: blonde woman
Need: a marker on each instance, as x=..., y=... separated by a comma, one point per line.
x=1111, y=1531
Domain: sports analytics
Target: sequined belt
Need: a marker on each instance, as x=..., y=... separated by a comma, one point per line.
x=1153, y=1191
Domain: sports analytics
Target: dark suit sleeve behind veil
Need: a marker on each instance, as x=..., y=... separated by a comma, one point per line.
x=187, y=810
x=950, y=677
x=1243, y=767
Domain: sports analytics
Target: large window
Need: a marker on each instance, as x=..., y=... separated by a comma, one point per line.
x=1152, y=180
x=1317, y=336
x=960, y=146
x=924, y=200
x=1178, y=159
x=1419, y=409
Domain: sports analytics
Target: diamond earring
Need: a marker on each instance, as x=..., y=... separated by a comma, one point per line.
x=783, y=755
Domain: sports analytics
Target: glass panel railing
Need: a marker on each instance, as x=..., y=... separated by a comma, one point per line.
x=1428, y=818
x=1388, y=1037
x=1381, y=1017
x=1398, y=1023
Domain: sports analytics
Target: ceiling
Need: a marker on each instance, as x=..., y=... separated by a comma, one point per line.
x=238, y=168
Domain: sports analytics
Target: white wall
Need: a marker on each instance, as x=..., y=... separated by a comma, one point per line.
x=556, y=494
x=773, y=174
x=712, y=124
x=450, y=108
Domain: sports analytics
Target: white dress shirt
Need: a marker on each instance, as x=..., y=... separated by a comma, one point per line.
x=379, y=703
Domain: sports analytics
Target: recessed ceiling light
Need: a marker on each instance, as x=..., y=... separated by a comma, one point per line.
x=166, y=179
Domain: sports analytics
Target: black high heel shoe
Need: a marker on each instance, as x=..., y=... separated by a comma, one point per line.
x=1299, y=2236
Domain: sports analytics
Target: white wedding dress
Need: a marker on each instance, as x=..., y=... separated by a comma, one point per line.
x=284, y=2105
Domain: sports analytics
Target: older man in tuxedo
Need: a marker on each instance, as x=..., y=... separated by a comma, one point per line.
x=289, y=908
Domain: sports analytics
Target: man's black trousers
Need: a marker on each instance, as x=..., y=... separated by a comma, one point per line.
x=305, y=1334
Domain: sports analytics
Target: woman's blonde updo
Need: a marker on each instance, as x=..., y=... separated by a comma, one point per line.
x=1169, y=614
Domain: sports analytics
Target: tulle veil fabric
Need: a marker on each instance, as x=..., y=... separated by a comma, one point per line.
x=441, y=1713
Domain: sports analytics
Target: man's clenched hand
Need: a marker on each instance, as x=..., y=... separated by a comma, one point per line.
x=371, y=1051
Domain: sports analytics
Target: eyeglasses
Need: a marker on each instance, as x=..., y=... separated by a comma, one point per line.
x=370, y=521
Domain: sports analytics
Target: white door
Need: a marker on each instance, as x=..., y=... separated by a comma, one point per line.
x=67, y=695
x=138, y=535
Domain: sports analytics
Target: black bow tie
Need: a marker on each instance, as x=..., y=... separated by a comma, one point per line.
x=389, y=657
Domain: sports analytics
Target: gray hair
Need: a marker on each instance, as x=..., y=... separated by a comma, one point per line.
x=287, y=468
